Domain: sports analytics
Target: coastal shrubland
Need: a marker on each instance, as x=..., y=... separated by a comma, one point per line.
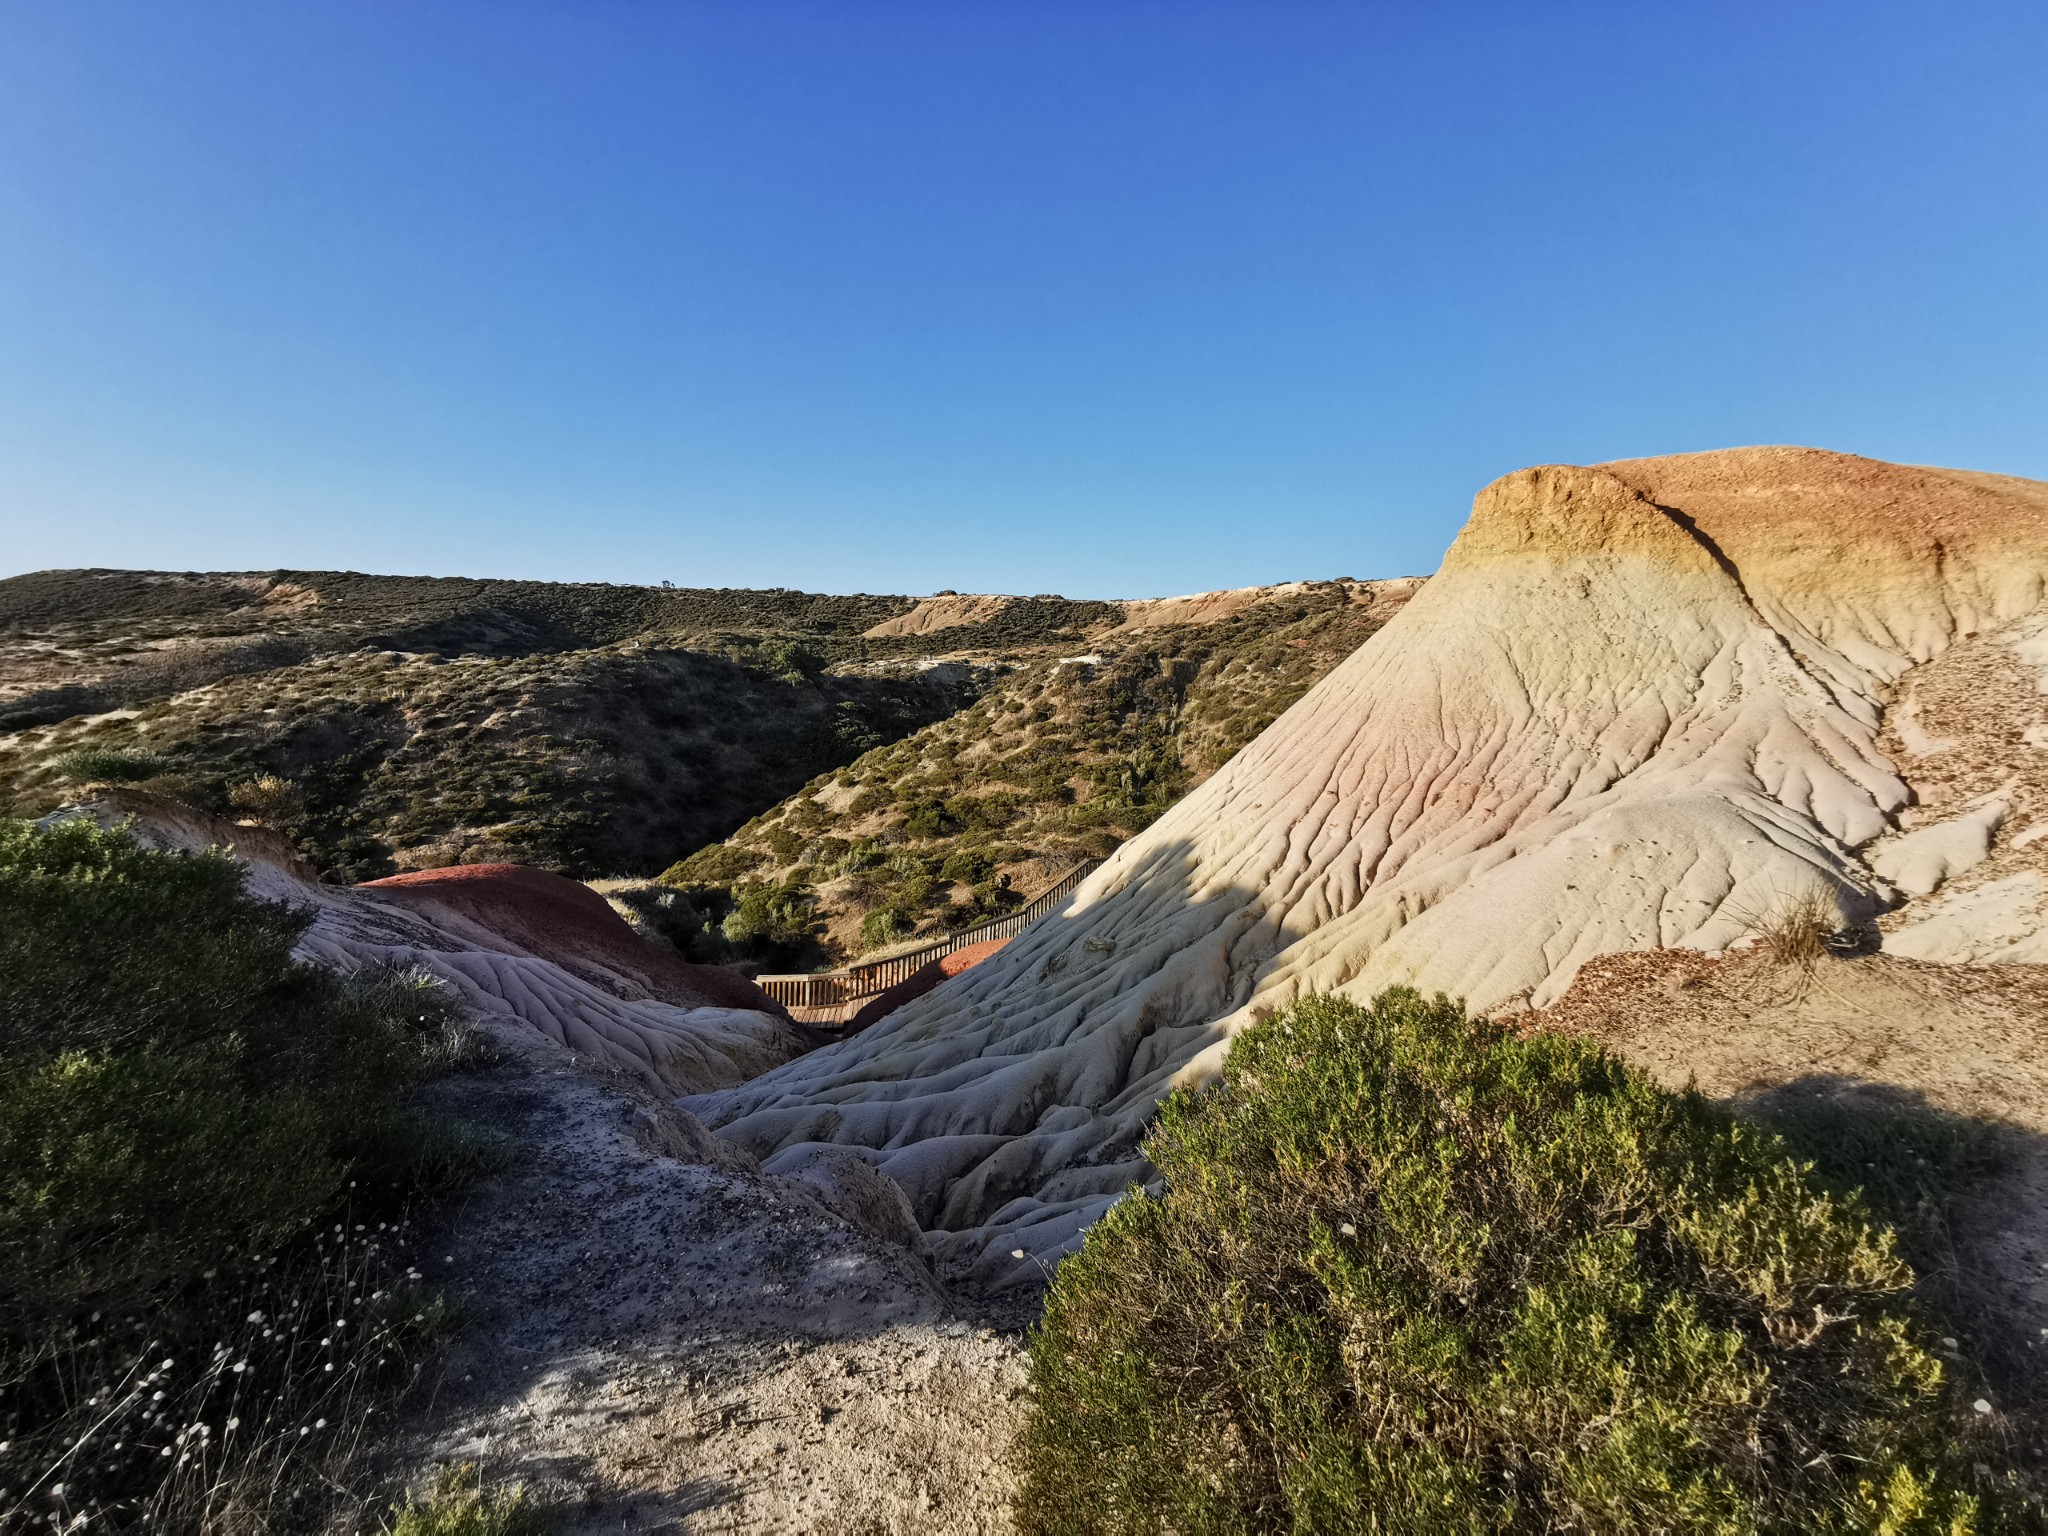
x=1057, y=761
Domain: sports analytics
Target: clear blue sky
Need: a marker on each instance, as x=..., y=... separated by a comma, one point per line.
x=1089, y=297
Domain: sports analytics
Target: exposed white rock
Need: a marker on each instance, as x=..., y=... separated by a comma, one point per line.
x=588, y=997
x=2000, y=922
x=1919, y=861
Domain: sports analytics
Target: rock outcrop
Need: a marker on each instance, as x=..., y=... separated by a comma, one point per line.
x=1643, y=705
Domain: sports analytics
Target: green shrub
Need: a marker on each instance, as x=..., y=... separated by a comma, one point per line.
x=182, y=1105
x=107, y=765
x=790, y=661
x=883, y=926
x=174, y=1087
x=929, y=817
x=771, y=922
x=459, y=1505
x=968, y=866
x=717, y=864
x=1412, y=1272
x=982, y=813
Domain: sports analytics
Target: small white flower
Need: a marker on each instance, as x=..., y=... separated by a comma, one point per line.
x=1948, y=1343
x=1981, y=1406
x=234, y=1424
x=1348, y=1230
x=1016, y=1253
x=255, y=1317
x=319, y=1423
x=328, y=1366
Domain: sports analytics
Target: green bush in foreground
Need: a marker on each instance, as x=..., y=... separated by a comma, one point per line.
x=174, y=1088
x=1415, y=1273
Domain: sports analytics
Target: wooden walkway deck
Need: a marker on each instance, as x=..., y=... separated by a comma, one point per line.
x=835, y=998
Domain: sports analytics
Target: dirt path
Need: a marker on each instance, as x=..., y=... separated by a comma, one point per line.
x=664, y=1338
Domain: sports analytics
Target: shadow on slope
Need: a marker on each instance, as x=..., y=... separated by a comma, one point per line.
x=1959, y=1190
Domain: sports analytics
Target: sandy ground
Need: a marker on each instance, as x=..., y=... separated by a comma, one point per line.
x=663, y=1338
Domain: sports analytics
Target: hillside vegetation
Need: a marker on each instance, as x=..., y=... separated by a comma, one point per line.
x=395, y=723
x=1058, y=761
x=388, y=723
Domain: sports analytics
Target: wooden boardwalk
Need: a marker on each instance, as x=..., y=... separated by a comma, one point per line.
x=833, y=997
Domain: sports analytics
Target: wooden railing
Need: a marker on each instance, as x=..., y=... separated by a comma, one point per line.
x=832, y=989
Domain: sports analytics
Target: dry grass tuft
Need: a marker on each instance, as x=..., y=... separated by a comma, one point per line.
x=1793, y=933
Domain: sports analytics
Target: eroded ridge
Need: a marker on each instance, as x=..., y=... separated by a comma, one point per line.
x=1640, y=707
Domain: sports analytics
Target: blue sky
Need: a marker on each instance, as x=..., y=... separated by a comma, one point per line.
x=1098, y=298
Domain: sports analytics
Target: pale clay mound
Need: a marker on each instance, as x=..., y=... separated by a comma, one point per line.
x=1642, y=705
x=603, y=1008
x=1213, y=607
x=936, y=613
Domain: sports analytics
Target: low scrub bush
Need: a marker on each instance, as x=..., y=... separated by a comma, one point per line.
x=1412, y=1272
x=771, y=923
x=884, y=926
x=108, y=765
x=183, y=1107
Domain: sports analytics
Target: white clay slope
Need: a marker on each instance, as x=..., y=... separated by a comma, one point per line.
x=1638, y=707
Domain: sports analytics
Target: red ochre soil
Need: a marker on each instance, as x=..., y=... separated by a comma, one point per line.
x=559, y=919
x=967, y=959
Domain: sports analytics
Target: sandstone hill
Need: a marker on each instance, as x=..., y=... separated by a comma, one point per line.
x=1653, y=704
